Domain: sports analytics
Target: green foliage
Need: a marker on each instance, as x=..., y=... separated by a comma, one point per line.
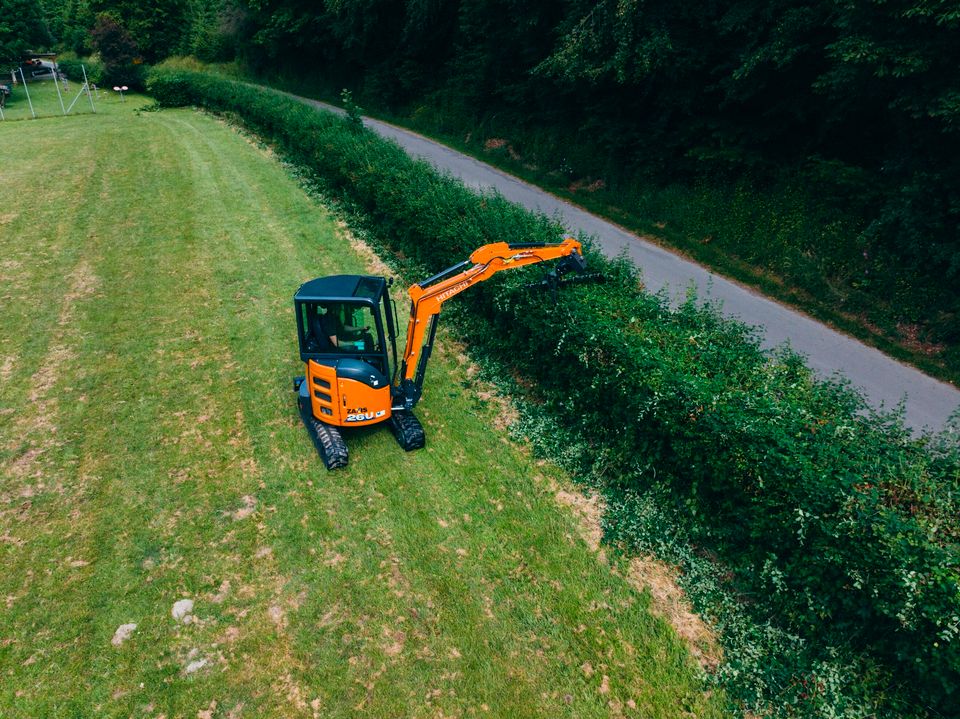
x=118, y=52
x=159, y=28
x=73, y=68
x=766, y=669
x=22, y=30
x=211, y=30
x=832, y=517
x=658, y=96
x=70, y=22
x=354, y=111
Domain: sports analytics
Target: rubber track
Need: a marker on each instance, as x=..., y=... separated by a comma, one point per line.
x=408, y=431
x=328, y=441
x=333, y=450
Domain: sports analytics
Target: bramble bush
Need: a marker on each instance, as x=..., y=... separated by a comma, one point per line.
x=835, y=520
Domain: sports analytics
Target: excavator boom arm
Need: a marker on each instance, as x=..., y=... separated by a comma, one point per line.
x=428, y=297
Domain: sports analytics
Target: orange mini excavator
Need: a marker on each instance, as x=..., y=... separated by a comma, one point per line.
x=345, y=324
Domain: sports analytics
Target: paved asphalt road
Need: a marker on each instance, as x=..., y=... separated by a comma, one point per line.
x=885, y=381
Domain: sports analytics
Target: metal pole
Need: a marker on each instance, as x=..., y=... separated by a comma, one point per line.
x=79, y=95
x=86, y=84
x=56, y=81
x=29, y=101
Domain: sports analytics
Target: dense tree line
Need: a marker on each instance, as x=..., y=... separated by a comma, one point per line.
x=159, y=29
x=863, y=98
x=859, y=101
x=22, y=28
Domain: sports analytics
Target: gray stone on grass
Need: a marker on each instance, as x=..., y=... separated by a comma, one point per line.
x=181, y=611
x=122, y=634
x=195, y=666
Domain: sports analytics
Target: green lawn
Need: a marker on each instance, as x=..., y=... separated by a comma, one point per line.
x=150, y=451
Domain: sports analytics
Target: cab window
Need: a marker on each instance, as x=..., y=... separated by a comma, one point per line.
x=339, y=327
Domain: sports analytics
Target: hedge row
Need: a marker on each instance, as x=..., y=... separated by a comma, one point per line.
x=839, y=524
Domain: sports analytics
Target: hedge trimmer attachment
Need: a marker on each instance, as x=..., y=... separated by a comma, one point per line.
x=556, y=277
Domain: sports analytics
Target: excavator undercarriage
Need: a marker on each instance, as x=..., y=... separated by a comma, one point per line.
x=408, y=430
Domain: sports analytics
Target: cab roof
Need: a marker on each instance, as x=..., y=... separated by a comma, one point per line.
x=341, y=287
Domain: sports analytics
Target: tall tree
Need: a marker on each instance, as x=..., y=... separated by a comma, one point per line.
x=22, y=29
x=70, y=22
x=117, y=49
x=160, y=28
x=215, y=27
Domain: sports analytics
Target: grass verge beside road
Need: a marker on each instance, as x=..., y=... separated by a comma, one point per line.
x=150, y=451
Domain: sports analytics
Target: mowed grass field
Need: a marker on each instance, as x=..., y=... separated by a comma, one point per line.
x=150, y=451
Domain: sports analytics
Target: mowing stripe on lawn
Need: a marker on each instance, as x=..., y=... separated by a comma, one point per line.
x=446, y=581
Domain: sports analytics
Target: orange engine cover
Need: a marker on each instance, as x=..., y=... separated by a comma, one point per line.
x=345, y=402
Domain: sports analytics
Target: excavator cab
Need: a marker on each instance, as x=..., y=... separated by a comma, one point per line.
x=347, y=332
x=346, y=316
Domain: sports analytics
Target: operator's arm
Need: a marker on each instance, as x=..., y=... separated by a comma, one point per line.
x=329, y=327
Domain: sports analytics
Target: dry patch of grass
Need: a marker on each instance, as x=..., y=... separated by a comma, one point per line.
x=36, y=425
x=670, y=602
x=6, y=367
x=374, y=265
x=649, y=574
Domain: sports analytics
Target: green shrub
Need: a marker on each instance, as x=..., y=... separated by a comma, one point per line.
x=835, y=520
x=73, y=68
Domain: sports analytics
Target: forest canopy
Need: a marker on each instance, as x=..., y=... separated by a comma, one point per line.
x=857, y=101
